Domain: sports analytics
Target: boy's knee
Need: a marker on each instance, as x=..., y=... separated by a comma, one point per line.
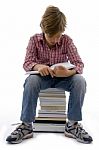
x=32, y=80
x=80, y=81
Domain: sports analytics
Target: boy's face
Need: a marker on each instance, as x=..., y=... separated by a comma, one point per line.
x=54, y=39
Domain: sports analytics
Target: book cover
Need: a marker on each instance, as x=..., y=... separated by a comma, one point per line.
x=49, y=127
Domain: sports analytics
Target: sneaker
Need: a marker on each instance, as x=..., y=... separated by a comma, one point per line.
x=20, y=133
x=77, y=132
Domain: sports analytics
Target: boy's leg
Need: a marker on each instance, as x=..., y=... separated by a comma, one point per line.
x=76, y=98
x=32, y=87
x=76, y=85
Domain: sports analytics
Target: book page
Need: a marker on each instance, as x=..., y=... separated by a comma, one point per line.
x=32, y=72
x=64, y=64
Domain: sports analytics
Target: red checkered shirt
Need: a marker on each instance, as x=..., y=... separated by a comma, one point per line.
x=38, y=52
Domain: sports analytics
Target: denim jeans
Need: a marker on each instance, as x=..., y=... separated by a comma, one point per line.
x=75, y=84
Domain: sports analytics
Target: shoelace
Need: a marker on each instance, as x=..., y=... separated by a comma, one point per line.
x=79, y=130
x=16, y=124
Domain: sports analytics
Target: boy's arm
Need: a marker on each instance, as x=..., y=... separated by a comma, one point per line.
x=30, y=57
x=74, y=57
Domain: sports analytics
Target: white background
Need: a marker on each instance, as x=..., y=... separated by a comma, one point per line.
x=20, y=19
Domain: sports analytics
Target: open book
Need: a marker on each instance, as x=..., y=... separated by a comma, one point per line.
x=67, y=65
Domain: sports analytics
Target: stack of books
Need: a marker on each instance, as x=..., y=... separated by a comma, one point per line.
x=52, y=113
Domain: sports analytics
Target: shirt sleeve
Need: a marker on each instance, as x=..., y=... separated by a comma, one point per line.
x=30, y=57
x=74, y=57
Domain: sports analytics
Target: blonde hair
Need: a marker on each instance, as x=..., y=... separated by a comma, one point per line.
x=53, y=21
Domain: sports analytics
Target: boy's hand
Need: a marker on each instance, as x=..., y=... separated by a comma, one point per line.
x=44, y=70
x=61, y=71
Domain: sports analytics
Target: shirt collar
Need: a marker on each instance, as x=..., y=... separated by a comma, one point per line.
x=41, y=38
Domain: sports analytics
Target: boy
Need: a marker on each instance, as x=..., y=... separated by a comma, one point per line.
x=43, y=50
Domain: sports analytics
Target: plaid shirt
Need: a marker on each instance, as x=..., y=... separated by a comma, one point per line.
x=38, y=52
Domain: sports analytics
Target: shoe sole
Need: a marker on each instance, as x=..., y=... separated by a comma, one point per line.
x=69, y=135
x=74, y=137
x=28, y=136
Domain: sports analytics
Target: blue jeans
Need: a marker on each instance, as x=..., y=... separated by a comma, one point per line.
x=75, y=84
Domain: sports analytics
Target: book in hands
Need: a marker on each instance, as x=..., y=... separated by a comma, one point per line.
x=32, y=72
x=67, y=65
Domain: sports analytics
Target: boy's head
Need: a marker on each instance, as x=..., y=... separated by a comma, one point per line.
x=53, y=21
